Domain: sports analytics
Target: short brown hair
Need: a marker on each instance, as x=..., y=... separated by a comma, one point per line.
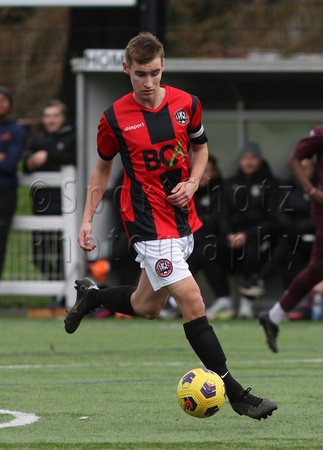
x=143, y=48
x=58, y=104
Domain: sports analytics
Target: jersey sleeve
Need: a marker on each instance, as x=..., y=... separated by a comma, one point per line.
x=196, y=131
x=309, y=145
x=107, y=143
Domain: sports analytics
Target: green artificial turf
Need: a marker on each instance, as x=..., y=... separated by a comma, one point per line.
x=113, y=385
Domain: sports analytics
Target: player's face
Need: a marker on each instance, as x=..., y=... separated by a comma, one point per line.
x=5, y=106
x=250, y=163
x=145, y=80
x=53, y=119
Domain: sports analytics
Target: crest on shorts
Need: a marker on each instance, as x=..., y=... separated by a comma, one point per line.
x=164, y=267
x=181, y=117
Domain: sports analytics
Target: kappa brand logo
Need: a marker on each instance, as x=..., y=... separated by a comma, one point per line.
x=181, y=117
x=134, y=127
x=164, y=267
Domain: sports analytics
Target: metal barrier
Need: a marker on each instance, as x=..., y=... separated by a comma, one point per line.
x=65, y=223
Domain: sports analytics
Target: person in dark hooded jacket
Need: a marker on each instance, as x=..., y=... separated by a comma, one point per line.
x=249, y=223
x=12, y=145
x=297, y=235
x=53, y=147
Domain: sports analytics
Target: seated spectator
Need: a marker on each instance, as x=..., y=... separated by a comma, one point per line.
x=12, y=144
x=51, y=148
x=208, y=246
x=249, y=223
x=294, y=246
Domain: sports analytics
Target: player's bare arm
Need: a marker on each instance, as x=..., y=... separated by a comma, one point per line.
x=184, y=191
x=97, y=185
x=299, y=173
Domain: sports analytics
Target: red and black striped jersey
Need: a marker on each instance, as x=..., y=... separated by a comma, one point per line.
x=153, y=145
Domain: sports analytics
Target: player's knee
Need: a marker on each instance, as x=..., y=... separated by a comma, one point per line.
x=194, y=307
x=151, y=315
x=198, y=310
x=148, y=311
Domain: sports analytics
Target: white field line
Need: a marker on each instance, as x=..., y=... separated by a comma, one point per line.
x=151, y=363
x=19, y=420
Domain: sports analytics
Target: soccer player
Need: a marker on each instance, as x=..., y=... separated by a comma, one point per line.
x=308, y=147
x=152, y=128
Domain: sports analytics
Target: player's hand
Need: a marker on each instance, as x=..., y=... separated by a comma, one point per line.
x=37, y=160
x=84, y=238
x=182, y=193
x=317, y=198
x=236, y=240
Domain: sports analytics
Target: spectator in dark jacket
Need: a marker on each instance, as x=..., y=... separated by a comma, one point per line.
x=208, y=245
x=250, y=222
x=12, y=144
x=297, y=233
x=53, y=147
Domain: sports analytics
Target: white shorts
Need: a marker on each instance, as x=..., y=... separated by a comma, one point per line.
x=165, y=260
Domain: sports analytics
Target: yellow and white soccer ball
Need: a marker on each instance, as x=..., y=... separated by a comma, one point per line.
x=201, y=393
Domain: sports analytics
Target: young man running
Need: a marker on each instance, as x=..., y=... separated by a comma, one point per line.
x=153, y=128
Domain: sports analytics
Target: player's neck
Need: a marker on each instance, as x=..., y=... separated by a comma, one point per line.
x=153, y=102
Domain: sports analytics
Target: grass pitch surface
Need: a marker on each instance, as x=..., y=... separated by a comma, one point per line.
x=113, y=384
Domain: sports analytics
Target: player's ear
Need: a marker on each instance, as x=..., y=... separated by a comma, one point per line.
x=125, y=67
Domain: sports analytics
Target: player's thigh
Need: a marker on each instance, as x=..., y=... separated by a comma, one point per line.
x=146, y=301
x=188, y=296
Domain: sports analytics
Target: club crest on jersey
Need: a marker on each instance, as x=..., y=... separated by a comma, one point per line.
x=181, y=117
x=164, y=267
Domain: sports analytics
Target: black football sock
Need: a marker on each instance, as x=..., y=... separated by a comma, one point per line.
x=206, y=345
x=115, y=299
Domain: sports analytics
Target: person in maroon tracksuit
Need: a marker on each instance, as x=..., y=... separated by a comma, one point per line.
x=309, y=147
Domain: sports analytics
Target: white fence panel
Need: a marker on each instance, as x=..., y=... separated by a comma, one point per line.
x=66, y=224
